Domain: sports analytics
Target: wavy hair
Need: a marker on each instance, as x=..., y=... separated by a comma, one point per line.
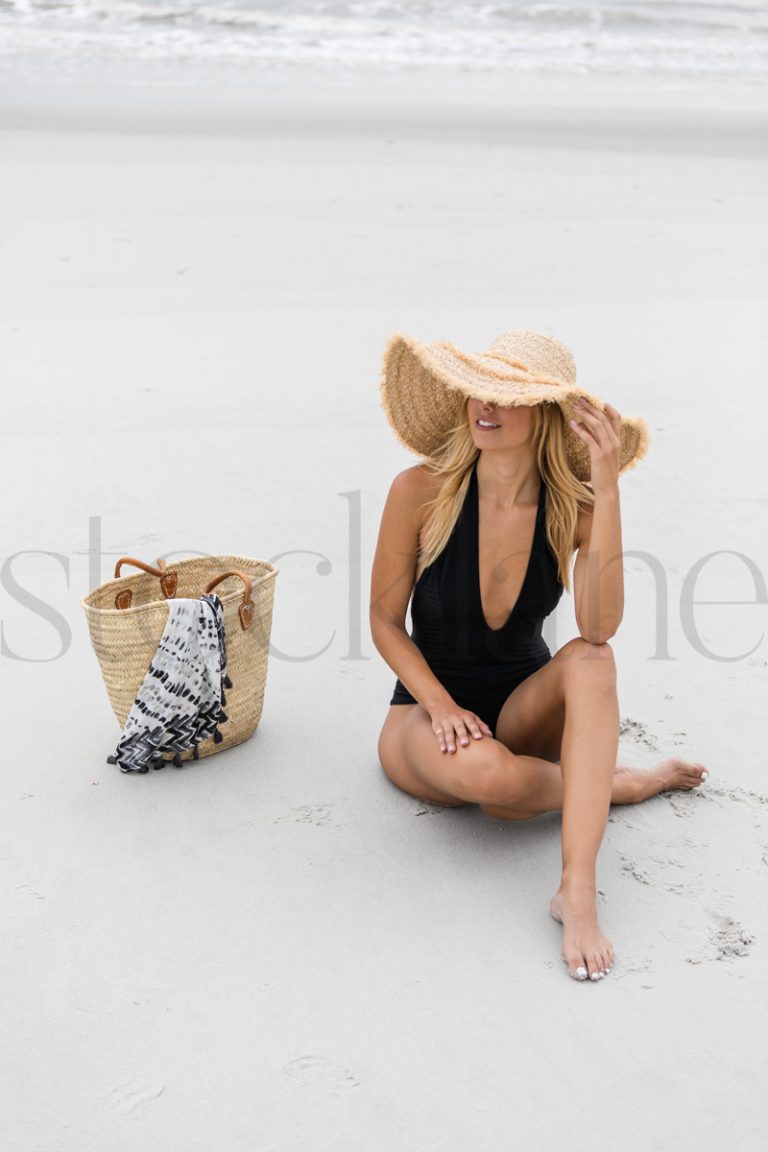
x=564, y=492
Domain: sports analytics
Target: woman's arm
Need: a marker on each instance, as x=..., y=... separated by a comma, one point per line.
x=598, y=574
x=392, y=580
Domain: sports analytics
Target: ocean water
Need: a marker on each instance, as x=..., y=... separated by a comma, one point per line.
x=706, y=38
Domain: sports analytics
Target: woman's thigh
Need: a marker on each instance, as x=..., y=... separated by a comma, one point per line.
x=411, y=758
x=532, y=718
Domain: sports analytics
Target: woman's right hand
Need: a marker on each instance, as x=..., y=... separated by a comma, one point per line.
x=453, y=726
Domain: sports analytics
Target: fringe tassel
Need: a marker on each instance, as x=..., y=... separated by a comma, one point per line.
x=223, y=699
x=217, y=737
x=196, y=753
x=111, y=760
x=177, y=760
x=223, y=717
x=227, y=681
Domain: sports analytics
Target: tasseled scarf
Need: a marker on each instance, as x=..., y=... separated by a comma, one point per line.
x=180, y=701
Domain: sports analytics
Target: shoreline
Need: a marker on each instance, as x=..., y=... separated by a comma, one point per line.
x=701, y=121
x=216, y=93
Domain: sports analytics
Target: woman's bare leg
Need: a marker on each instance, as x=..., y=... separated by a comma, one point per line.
x=538, y=783
x=485, y=772
x=568, y=708
x=587, y=759
x=629, y=786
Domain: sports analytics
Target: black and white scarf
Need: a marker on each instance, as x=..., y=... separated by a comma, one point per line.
x=180, y=701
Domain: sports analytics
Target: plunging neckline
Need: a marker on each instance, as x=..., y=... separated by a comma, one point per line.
x=476, y=538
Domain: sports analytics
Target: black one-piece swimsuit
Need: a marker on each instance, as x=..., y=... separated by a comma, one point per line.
x=479, y=666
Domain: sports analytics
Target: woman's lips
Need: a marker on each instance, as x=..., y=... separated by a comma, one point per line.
x=487, y=427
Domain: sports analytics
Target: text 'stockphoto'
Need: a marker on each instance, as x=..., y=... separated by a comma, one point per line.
x=384, y=575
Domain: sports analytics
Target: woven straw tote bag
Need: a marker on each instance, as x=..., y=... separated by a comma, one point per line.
x=127, y=615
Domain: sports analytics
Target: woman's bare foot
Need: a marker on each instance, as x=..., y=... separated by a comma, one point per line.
x=588, y=953
x=630, y=785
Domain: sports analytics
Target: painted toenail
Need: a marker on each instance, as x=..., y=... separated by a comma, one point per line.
x=581, y=973
x=595, y=976
x=704, y=775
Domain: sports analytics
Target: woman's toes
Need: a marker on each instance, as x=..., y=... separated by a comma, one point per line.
x=577, y=966
x=595, y=965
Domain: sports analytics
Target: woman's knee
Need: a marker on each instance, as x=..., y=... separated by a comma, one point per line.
x=395, y=765
x=583, y=660
x=478, y=773
x=486, y=774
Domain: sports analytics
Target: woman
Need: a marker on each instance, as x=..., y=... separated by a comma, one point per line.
x=521, y=469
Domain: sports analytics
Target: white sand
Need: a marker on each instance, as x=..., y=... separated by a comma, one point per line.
x=275, y=950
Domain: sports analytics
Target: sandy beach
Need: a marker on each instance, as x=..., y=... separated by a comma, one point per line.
x=275, y=950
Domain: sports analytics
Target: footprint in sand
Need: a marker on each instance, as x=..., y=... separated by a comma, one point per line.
x=727, y=940
x=131, y=1094
x=314, y=1072
x=659, y=877
x=633, y=870
x=683, y=803
x=320, y=814
x=32, y=891
x=638, y=733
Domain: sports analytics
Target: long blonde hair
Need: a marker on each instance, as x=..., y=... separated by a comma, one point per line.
x=564, y=493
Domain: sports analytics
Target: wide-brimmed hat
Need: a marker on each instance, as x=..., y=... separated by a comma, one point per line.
x=423, y=386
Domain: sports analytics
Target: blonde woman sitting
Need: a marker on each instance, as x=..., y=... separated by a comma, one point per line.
x=521, y=470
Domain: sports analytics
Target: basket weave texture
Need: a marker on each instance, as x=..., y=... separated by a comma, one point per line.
x=125, y=639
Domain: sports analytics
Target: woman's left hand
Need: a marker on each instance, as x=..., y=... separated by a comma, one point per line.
x=600, y=432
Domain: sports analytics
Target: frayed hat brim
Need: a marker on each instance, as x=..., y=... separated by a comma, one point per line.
x=422, y=387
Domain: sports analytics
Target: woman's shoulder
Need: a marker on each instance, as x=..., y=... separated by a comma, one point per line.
x=410, y=494
x=417, y=484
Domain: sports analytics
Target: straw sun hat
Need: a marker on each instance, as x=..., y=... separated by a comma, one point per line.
x=423, y=385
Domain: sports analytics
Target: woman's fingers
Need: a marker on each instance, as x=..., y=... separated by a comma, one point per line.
x=584, y=433
x=599, y=423
x=450, y=739
x=581, y=414
x=448, y=742
x=461, y=732
x=595, y=422
x=614, y=416
x=482, y=726
x=454, y=730
x=599, y=431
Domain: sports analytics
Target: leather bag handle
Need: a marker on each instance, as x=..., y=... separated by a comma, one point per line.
x=245, y=610
x=168, y=580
